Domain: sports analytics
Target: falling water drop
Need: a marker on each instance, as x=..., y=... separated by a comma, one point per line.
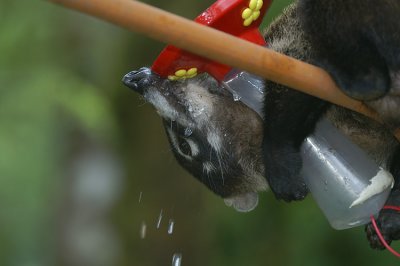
x=142, y=231
x=177, y=259
x=188, y=132
x=140, y=196
x=171, y=226
x=159, y=219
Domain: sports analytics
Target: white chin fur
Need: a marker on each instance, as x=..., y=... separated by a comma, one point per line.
x=243, y=203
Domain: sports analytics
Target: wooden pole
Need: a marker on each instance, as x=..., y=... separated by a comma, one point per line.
x=219, y=46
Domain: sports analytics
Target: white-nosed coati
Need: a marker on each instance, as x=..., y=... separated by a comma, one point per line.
x=236, y=154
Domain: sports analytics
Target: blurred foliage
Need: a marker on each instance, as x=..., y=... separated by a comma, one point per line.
x=60, y=75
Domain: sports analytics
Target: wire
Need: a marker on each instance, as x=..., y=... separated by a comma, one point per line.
x=378, y=232
x=395, y=208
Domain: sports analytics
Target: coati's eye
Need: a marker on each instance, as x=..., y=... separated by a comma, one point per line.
x=184, y=146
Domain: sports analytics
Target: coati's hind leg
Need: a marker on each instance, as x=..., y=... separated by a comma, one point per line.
x=290, y=116
x=350, y=40
x=358, y=79
x=389, y=220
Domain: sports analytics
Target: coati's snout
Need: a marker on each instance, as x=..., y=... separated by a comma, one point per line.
x=216, y=139
x=140, y=79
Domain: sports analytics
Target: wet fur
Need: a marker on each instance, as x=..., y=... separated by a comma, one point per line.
x=227, y=147
x=205, y=128
x=321, y=32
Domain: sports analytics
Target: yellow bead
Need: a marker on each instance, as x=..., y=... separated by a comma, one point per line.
x=171, y=77
x=255, y=15
x=180, y=73
x=192, y=71
x=253, y=4
x=248, y=21
x=259, y=4
x=246, y=13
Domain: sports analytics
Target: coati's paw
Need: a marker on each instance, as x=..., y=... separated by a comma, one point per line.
x=283, y=173
x=366, y=85
x=139, y=80
x=388, y=223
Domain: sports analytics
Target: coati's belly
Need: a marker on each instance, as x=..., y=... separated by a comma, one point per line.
x=369, y=135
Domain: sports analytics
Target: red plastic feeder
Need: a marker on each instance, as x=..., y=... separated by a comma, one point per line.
x=240, y=18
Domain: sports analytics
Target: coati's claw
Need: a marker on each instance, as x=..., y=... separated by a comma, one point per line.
x=138, y=80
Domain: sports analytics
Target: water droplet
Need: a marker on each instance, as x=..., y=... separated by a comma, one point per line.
x=236, y=96
x=198, y=112
x=140, y=196
x=177, y=259
x=326, y=185
x=159, y=219
x=171, y=226
x=142, y=231
x=188, y=132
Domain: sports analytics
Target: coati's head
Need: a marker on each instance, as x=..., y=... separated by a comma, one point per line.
x=216, y=139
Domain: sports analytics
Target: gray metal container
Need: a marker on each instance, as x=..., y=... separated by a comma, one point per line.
x=348, y=185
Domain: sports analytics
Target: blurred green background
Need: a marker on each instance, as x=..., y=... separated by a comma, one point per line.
x=86, y=175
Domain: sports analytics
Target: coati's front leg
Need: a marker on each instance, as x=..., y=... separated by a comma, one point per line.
x=290, y=116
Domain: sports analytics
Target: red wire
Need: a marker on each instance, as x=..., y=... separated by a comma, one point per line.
x=388, y=207
x=378, y=232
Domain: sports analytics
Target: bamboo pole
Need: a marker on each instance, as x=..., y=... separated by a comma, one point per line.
x=219, y=46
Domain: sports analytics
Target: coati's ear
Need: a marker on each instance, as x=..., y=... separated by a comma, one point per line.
x=244, y=202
